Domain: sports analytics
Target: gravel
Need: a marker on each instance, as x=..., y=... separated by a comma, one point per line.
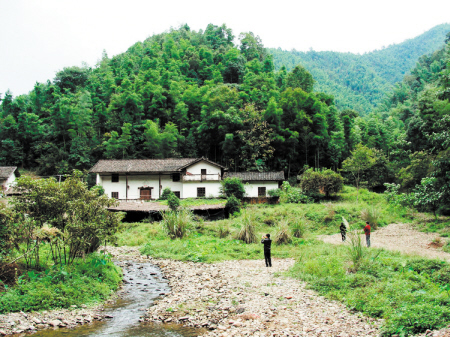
x=239, y=298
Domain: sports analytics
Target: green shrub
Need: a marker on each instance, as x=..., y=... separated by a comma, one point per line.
x=233, y=204
x=165, y=194
x=173, y=201
x=233, y=187
x=177, y=224
x=289, y=194
x=322, y=181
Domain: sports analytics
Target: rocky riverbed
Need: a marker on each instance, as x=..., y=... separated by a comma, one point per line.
x=21, y=322
x=243, y=298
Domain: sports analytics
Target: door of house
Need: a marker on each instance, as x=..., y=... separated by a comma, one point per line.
x=203, y=174
x=146, y=193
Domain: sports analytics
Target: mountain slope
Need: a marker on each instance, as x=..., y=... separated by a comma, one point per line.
x=358, y=81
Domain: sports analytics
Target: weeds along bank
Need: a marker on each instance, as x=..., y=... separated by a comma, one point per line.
x=411, y=294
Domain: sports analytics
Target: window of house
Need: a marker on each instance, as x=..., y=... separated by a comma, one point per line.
x=176, y=177
x=203, y=172
x=261, y=191
x=201, y=192
x=177, y=193
x=115, y=178
x=115, y=195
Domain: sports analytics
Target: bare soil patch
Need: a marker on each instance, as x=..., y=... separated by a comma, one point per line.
x=403, y=238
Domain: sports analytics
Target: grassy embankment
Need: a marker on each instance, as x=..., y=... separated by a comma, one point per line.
x=86, y=281
x=412, y=294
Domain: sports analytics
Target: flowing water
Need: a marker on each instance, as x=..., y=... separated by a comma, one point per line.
x=145, y=283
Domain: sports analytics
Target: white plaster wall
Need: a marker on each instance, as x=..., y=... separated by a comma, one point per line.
x=251, y=188
x=197, y=168
x=212, y=188
x=113, y=187
x=136, y=181
x=11, y=180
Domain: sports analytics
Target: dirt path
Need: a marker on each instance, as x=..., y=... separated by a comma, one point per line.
x=402, y=238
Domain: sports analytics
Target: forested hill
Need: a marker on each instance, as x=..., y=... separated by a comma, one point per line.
x=181, y=93
x=360, y=82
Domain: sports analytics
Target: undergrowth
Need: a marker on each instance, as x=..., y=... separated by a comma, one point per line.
x=411, y=294
x=84, y=282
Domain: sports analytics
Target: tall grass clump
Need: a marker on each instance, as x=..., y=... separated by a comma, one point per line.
x=283, y=235
x=298, y=229
x=372, y=216
x=176, y=224
x=356, y=250
x=247, y=231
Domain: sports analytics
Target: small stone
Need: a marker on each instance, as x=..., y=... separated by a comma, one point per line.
x=55, y=322
x=184, y=318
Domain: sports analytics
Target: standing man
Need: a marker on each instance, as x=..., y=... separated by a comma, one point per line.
x=343, y=230
x=367, y=232
x=267, y=243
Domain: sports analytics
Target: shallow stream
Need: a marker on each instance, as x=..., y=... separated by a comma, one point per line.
x=144, y=283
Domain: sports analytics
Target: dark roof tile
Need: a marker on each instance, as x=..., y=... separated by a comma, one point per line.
x=145, y=165
x=6, y=171
x=257, y=176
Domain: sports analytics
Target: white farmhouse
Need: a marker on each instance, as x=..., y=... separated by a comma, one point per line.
x=8, y=175
x=145, y=179
x=257, y=184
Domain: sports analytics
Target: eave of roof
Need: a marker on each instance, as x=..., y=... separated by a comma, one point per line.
x=257, y=176
x=140, y=166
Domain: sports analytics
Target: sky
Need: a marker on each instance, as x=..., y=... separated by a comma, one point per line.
x=38, y=38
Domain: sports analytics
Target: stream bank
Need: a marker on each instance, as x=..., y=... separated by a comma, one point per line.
x=143, y=282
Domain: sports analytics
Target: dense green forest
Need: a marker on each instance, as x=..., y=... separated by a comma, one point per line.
x=359, y=82
x=177, y=94
x=188, y=94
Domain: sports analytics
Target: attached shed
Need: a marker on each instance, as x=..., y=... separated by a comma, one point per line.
x=8, y=175
x=257, y=184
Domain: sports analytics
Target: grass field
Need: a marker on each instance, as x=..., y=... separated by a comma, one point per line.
x=410, y=293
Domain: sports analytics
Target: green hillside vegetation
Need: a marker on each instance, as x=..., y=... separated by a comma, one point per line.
x=178, y=94
x=359, y=82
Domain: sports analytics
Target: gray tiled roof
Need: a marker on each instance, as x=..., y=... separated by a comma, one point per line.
x=257, y=176
x=6, y=171
x=144, y=165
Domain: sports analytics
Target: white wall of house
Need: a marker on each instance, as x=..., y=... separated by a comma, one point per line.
x=187, y=189
x=197, y=168
x=251, y=188
x=136, y=181
x=6, y=184
x=212, y=189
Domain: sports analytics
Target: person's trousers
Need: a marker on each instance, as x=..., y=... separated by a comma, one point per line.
x=343, y=236
x=267, y=258
x=368, y=240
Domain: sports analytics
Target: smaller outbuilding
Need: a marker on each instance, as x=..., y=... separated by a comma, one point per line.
x=8, y=175
x=257, y=184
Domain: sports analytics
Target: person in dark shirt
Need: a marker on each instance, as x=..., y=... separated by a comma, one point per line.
x=367, y=232
x=267, y=243
x=343, y=230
